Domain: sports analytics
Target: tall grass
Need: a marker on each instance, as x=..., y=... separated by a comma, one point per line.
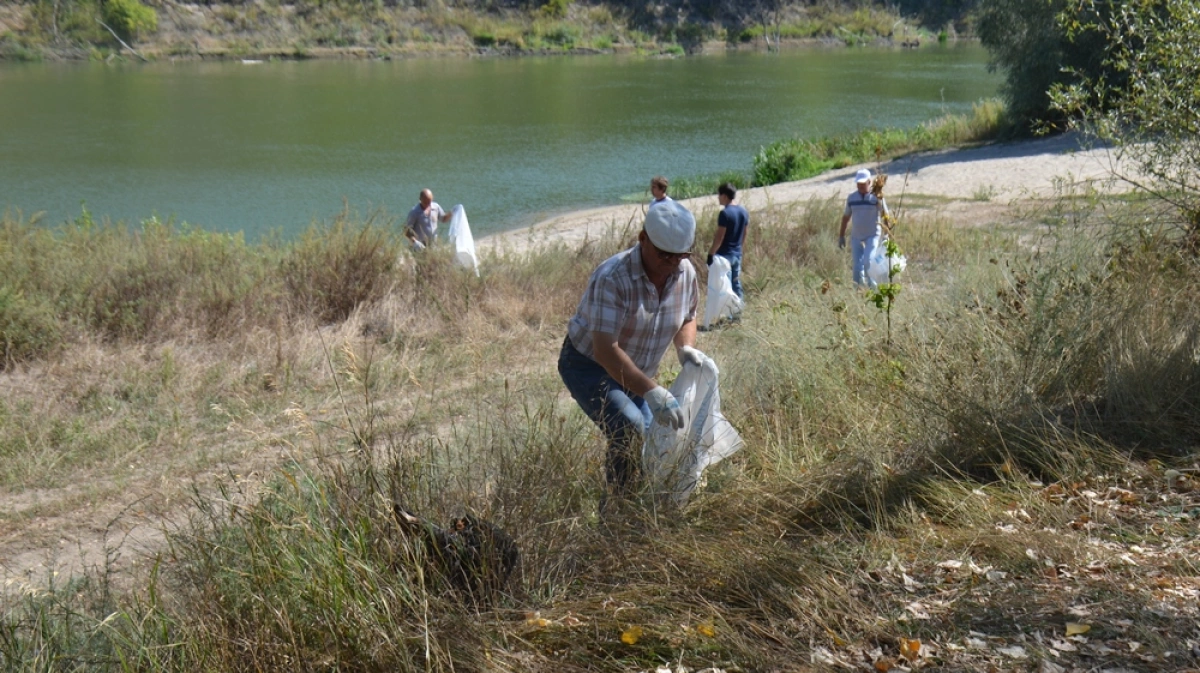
x=1018, y=355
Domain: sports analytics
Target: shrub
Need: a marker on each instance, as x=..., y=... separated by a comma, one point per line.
x=130, y=18
x=1148, y=106
x=28, y=329
x=786, y=160
x=797, y=158
x=331, y=270
x=1039, y=44
x=557, y=34
x=555, y=9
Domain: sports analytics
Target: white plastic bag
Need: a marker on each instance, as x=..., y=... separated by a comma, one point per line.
x=674, y=460
x=879, y=263
x=461, y=240
x=721, y=302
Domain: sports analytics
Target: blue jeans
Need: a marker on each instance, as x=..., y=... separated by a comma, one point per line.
x=860, y=251
x=622, y=416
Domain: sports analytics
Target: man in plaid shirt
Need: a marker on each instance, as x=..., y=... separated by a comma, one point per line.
x=637, y=303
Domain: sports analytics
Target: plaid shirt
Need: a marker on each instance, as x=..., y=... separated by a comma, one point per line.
x=621, y=300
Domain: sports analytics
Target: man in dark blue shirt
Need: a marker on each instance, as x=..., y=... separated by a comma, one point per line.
x=731, y=233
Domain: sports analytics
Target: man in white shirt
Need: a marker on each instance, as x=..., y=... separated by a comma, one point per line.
x=658, y=190
x=423, y=219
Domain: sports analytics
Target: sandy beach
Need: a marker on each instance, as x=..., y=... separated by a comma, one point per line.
x=959, y=181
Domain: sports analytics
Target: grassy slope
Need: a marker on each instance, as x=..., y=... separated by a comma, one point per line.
x=362, y=30
x=957, y=497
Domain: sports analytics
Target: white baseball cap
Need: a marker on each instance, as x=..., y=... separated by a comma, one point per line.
x=863, y=175
x=671, y=227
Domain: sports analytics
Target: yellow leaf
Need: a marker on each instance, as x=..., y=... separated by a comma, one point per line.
x=536, y=619
x=1075, y=628
x=631, y=635
x=910, y=649
x=706, y=629
x=836, y=640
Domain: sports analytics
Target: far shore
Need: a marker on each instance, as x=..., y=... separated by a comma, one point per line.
x=171, y=54
x=997, y=173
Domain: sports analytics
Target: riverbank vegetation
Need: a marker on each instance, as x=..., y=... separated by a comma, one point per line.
x=1007, y=479
x=797, y=158
x=303, y=28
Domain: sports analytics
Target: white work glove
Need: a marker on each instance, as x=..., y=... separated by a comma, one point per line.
x=688, y=354
x=665, y=407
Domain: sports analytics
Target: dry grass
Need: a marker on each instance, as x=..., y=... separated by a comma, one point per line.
x=950, y=500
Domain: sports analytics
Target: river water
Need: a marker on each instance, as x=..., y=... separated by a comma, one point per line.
x=269, y=147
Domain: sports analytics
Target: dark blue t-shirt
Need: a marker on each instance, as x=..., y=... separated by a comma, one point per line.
x=734, y=218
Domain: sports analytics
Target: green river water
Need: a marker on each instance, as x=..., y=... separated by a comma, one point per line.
x=269, y=147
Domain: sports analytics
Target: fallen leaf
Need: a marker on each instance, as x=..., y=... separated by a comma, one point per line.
x=918, y=611
x=631, y=635
x=1075, y=628
x=1063, y=645
x=535, y=619
x=883, y=666
x=706, y=629
x=1013, y=652
x=910, y=649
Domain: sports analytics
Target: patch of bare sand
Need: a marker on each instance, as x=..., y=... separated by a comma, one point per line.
x=973, y=185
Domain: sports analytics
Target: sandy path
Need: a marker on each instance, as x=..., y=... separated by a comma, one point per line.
x=1000, y=173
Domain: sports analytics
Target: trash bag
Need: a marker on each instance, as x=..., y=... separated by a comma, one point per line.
x=673, y=461
x=879, y=263
x=461, y=240
x=722, y=302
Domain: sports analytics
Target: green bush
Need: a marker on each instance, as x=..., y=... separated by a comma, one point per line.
x=1040, y=44
x=556, y=9
x=797, y=158
x=555, y=33
x=130, y=18
x=28, y=329
x=787, y=160
x=16, y=49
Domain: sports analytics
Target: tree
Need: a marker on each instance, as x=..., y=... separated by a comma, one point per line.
x=1146, y=100
x=1030, y=41
x=129, y=18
